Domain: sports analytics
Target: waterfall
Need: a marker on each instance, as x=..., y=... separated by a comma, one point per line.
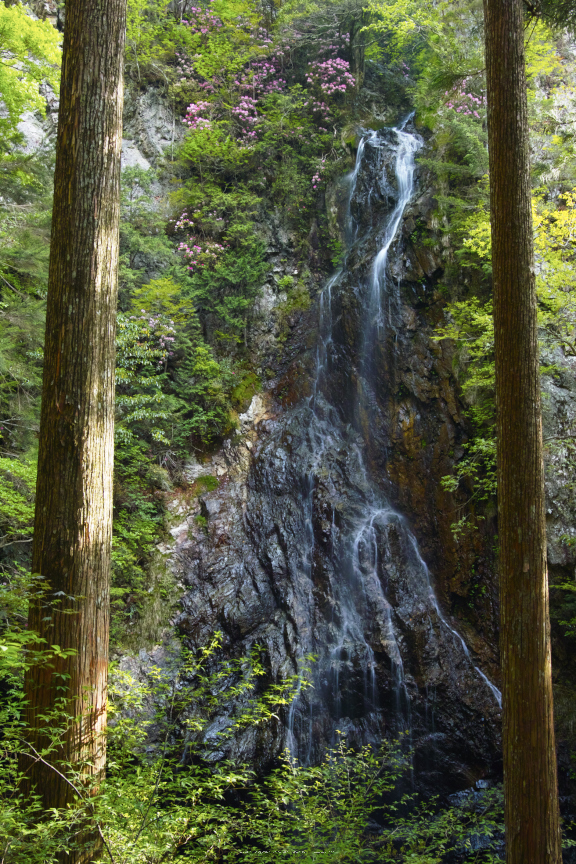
x=371, y=545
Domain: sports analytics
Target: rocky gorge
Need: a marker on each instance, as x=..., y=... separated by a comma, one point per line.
x=329, y=532
x=304, y=599
x=329, y=535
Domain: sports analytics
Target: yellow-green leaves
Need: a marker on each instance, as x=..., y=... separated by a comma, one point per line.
x=554, y=232
x=471, y=327
x=404, y=21
x=541, y=54
x=29, y=54
x=554, y=236
x=154, y=35
x=163, y=297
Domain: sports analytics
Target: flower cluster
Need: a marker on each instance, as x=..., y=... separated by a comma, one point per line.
x=194, y=117
x=237, y=99
x=247, y=115
x=463, y=102
x=212, y=218
x=149, y=337
x=332, y=76
x=317, y=178
x=256, y=78
x=184, y=222
x=319, y=108
x=184, y=67
x=163, y=330
x=200, y=253
x=207, y=86
x=331, y=48
x=260, y=78
x=203, y=20
x=263, y=36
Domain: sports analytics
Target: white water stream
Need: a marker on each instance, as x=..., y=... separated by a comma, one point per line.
x=356, y=548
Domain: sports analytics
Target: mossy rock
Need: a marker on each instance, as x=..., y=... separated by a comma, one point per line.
x=206, y=483
x=246, y=388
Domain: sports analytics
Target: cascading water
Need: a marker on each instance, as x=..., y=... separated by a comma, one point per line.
x=358, y=594
x=307, y=554
x=379, y=289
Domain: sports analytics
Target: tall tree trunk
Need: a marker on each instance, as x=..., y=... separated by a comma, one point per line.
x=530, y=783
x=73, y=522
x=357, y=49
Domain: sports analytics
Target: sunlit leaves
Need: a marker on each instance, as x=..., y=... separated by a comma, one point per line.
x=29, y=55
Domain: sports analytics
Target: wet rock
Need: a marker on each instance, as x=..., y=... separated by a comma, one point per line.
x=304, y=550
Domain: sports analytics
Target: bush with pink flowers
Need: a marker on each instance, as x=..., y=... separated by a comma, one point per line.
x=465, y=103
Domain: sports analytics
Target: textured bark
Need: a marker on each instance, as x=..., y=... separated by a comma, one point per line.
x=357, y=49
x=72, y=531
x=530, y=784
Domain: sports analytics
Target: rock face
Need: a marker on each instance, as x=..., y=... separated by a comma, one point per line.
x=310, y=544
x=150, y=125
x=559, y=419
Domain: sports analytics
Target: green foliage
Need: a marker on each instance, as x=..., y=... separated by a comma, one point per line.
x=148, y=29
x=24, y=248
x=168, y=377
x=405, y=24
x=168, y=796
x=471, y=327
x=21, y=332
x=324, y=813
x=17, y=588
x=557, y=13
x=144, y=245
x=255, y=133
x=202, y=385
x=440, y=49
x=227, y=258
x=153, y=33
x=225, y=293
x=172, y=791
x=449, y=96
x=17, y=486
x=207, y=482
x=171, y=391
x=29, y=55
x=138, y=522
x=142, y=355
x=195, y=388
x=242, y=393
x=554, y=224
x=156, y=801
x=143, y=411
x=25, y=224
x=563, y=602
x=163, y=297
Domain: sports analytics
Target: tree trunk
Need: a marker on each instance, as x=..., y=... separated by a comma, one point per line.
x=530, y=783
x=357, y=49
x=73, y=521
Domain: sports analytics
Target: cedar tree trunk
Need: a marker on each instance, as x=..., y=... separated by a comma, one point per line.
x=73, y=521
x=530, y=784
